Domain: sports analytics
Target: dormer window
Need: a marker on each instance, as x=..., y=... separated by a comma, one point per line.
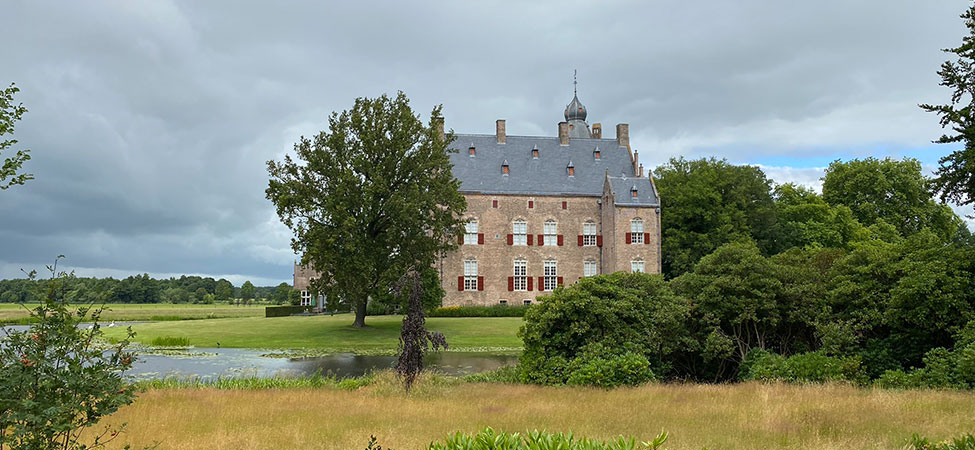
x=472, y=150
x=633, y=191
x=504, y=167
x=535, y=152
x=571, y=169
x=595, y=154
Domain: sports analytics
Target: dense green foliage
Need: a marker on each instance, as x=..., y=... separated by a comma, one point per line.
x=816, y=367
x=479, y=311
x=369, y=199
x=488, y=439
x=285, y=310
x=57, y=380
x=965, y=442
x=9, y=114
x=955, y=179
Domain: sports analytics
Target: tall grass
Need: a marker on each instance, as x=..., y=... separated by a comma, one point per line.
x=170, y=341
x=258, y=383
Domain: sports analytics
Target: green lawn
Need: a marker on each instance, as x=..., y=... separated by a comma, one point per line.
x=332, y=333
x=12, y=312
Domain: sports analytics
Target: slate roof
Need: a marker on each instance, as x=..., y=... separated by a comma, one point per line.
x=547, y=175
x=623, y=191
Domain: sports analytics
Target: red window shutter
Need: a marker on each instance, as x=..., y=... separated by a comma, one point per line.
x=629, y=237
x=511, y=284
x=531, y=204
x=646, y=238
x=560, y=281
x=580, y=240
x=541, y=283
x=494, y=203
x=530, y=287
x=511, y=239
x=541, y=241
x=480, y=283
x=460, y=283
x=560, y=240
x=599, y=240
x=565, y=204
x=530, y=239
x=480, y=238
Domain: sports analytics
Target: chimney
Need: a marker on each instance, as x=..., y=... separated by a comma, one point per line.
x=641, y=171
x=438, y=127
x=623, y=134
x=563, y=133
x=636, y=163
x=502, y=137
x=597, y=131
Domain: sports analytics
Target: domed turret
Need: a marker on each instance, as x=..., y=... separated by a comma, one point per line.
x=575, y=110
x=575, y=115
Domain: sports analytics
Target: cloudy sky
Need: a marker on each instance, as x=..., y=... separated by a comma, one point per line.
x=150, y=122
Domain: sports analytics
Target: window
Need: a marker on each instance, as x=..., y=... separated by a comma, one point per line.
x=521, y=275
x=551, y=279
x=470, y=234
x=636, y=266
x=503, y=302
x=551, y=236
x=589, y=268
x=589, y=234
x=528, y=302
x=305, y=298
x=520, y=232
x=470, y=275
x=636, y=231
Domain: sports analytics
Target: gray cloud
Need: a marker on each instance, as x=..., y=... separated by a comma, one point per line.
x=150, y=122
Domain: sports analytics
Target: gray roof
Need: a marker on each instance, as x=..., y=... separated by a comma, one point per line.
x=547, y=175
x=623, y=191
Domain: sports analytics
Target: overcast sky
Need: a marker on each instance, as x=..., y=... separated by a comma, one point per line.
x=150, y=122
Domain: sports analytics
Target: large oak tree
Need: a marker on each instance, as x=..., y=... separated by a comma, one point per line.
x=369, y=199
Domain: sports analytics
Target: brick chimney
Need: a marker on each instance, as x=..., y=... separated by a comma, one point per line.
x=499, y=126
x=636, y=163
x=641, y=171
x=563, y=133
x=597, y=131
x=438, y=126
x=623, y=134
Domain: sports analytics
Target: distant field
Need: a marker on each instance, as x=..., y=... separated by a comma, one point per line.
x=742, y=416
x=11, y=312
x=331, y=332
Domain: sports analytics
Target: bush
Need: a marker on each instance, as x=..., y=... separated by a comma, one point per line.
x=605, y=316
x=942, y=369
x=479, y=311
x=488, y=439
x=812, y=367
x=284, y=311
x=628, y=369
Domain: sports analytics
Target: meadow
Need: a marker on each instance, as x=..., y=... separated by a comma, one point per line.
x=331, y=333
x=139, y=312
x=731, y=416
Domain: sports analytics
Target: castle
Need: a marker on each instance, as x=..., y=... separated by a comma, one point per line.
x=543, y=212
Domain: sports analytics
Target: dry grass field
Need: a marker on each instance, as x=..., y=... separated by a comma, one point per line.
x=744, y=416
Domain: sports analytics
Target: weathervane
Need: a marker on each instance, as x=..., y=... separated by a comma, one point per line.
x=575, y=83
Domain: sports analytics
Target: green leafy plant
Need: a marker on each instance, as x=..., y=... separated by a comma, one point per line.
x=57, y=378
x=965, y=442
x=489, y=439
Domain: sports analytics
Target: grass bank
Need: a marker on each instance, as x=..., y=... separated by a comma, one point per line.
x=332, y=333
x=122, y=312
x=742, y=416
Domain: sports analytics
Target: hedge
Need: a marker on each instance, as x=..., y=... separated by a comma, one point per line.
x=283, y=311
x=479, y=311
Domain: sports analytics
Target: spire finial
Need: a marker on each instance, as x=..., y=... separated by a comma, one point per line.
x=575, y=83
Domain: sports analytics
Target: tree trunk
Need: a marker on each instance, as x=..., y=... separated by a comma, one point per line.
x=360, y=315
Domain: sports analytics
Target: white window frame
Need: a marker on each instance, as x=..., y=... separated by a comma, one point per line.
x=551, y=233
x=589, y=234
x=305, y=298
x=470, y=274
x=638, y=266
x=526, y=302
x=636, y=231
x=519, y=231
x=470, y=232
x=551, y=278
x=590, y=268
x=520, y=274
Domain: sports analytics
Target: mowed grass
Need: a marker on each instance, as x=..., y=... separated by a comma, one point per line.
x=12, y=312
x=333, y=333
x=742, y=416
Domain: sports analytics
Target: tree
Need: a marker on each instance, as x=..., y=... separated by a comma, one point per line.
x=895, y=192
x=805, y=220
x=414, y=339
x=247, y=291
x=223, y=291
x=709, y=203
x=955, y=177
x=281, y=293
x=368, y=199
x=199, y=294
x=10, y=113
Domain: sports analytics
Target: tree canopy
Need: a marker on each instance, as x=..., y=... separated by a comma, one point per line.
x=10, y=174
x=369, y=199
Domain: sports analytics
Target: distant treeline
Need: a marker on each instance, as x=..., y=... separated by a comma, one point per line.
x=145, y=289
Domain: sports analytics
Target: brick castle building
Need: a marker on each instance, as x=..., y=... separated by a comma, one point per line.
x=544, y=211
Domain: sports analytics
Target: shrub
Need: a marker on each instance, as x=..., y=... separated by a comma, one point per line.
x=488, y=439
x=629, y=369
x=965, y=442
x=479, y=311
x=812, y=367
x=942, y=369
x=284, y=311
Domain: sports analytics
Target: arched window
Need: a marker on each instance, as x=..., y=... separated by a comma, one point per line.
x=519, y=230
x=470, y=232
x=470, y=274
x=551, y=232
x=589, y=233
x=636, y=231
